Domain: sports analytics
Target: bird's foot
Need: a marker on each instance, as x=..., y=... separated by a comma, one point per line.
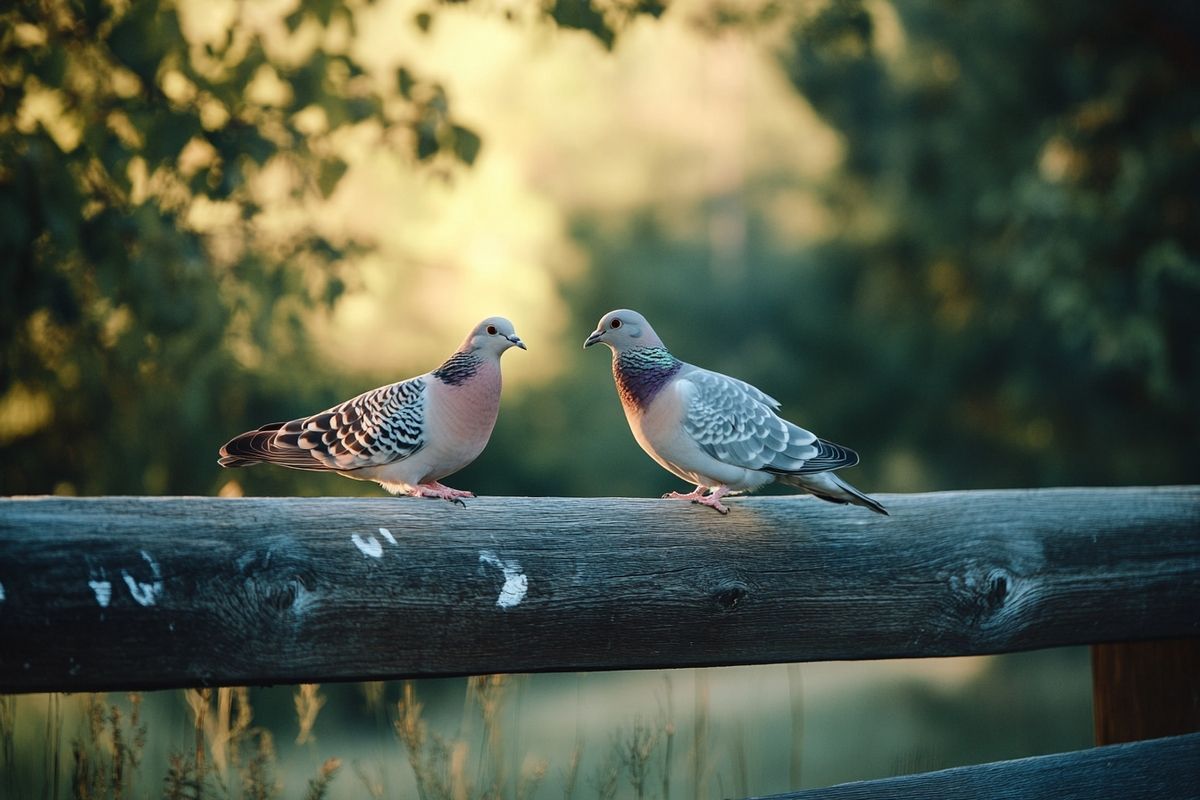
x=695, y=494
x=440, y=492
x=713, y=500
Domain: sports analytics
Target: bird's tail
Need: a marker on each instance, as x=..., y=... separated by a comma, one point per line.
x=828, y=486
x=249, y=448
x=274, y=443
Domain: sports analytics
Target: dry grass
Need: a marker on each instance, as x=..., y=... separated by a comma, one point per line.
x=319, y=785
x=106, y=761
x=669, y=737
x=226, y=756
x=309, y=701
x=374, y=786
x=571, y=775
x=231, y=758
x=607, y=777
x=439, y=768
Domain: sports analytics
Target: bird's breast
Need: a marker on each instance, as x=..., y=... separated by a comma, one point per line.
x=462, y=416
x=658, y=425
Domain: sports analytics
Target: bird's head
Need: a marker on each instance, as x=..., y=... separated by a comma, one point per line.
x=623, y=330
x=494, y=335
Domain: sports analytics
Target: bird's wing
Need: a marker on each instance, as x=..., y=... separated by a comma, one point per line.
x=736, y=423
x=376, y=428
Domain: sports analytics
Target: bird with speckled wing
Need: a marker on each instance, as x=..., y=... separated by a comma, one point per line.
x=711, y=430
x=405, y=436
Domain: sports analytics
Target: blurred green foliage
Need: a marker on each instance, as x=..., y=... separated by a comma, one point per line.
x=1010, y=295
x=1007, y=296
x=145, y=335
x=1035, y=171
x=122, y=315
x=550, y=735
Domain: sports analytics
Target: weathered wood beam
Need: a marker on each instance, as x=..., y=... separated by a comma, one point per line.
x=124, y=593
x=1149, y=770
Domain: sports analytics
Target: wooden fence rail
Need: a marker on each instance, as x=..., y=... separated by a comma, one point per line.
x=139, y=593
x=1149, y=770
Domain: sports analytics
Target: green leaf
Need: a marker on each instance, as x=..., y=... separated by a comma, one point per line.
x=583, y=15
x=323, y=9
x=294, y=19
x=328, y=175
x=653, y=8
x=404, y=82
x=427, y=143
x=133, y=42
x=466, y=144
x=167, y=135
x=51, y=68
x=95, y=12
x=335, y=287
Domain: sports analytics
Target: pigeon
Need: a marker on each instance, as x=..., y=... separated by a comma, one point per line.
x=717, y=432
x=405, y=436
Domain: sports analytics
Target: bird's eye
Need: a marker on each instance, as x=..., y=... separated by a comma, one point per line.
x=491, y=329
x=616, y=323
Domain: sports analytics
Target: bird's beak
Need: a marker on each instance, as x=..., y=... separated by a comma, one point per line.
x=595, y=337
x=517, y=341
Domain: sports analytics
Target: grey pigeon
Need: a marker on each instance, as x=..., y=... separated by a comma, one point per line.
x=717, y=432
x=405, y=436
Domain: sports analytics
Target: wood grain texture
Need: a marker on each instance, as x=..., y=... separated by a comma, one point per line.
x=1143, y=690
x=1158, y=769
x=204, y=591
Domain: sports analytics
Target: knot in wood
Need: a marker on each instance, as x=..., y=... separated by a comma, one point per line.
x=729, y=594
x=281, y=597
x=997, y=589
x=982, y=594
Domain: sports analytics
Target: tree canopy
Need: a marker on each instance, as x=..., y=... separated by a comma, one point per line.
x=1003, y=291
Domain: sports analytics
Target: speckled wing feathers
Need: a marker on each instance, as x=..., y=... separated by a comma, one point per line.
x=736, y=423
x=378, y=427
x=375, y=428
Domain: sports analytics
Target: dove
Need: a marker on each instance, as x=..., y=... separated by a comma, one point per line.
x=405, y=436
x=714, y=431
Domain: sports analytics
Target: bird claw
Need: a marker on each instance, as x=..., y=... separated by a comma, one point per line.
x=716, y=505
x=713, y=500
x=440, y=492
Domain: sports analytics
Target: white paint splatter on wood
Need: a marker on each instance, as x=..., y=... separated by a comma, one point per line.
x=145, y=594
x=103, y=592
x=387, y=535
x=369, y=546
x=100, y=585
x=515, y=582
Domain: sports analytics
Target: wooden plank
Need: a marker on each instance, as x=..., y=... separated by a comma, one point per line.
x=1159, y=769
x=1143, y=690
x=125, y=593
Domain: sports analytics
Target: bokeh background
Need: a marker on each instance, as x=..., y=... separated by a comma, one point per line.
x=960, y=237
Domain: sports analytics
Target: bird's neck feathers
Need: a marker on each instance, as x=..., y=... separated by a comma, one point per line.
x=642, y=372
x=459, y=368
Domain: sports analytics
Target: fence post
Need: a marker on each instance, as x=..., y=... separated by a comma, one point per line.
x=1144, y=690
